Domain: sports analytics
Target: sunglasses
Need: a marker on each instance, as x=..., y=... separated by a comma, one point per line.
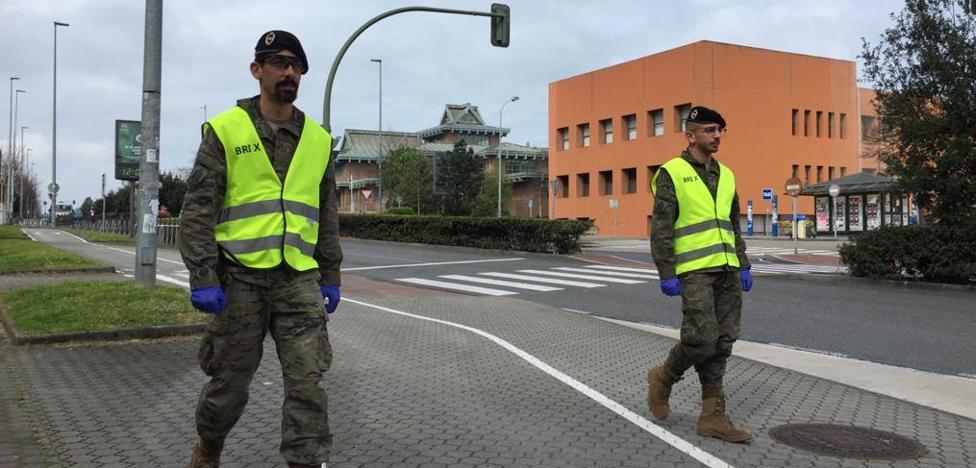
x=282, y=62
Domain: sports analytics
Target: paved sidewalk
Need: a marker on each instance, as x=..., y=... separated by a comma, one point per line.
x=411, y=392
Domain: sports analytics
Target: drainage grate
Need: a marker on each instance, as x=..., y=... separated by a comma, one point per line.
x=848, y=441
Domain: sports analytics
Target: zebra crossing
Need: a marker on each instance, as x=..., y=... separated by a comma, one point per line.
x=496, y=283
x=761, y=251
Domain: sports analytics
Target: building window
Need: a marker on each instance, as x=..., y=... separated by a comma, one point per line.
x=681, y=117
x=630, y=121
x=796, y=168
x=843, y=171
x=606, y=131
x=583, y=185
x=563, y=190
x=795, y=121
x=830, y=125
x=806, y=175
x=843, y=126
x=867, y=127
x=830, y=173
x=583, y=135
x=819, y=174
x=819, y=122
x=630, y=180
x=651, y=172
x=655, y=122
x=606, y=182
x=806, y=123
x=563, y=138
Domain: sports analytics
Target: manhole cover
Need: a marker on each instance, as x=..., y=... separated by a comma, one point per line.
x=848, y=441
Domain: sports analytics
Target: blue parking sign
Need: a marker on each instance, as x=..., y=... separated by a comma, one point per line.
x=767, y=194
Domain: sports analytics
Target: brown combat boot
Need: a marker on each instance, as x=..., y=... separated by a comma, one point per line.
x=659, y=382
x=713, y=421
x=206, y=454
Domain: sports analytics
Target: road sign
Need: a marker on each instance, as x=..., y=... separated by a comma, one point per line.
x=614, y=203
x=793, y=186
x=555, y=187
x=366, y=193
x=767, y=194
x=834, y=190
x=53, y=187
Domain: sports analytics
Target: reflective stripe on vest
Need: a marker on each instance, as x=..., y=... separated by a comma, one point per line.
x=263, y=222
x=703, y=232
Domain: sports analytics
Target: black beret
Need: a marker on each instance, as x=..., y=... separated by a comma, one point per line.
x=276, y=41
x=704, y=115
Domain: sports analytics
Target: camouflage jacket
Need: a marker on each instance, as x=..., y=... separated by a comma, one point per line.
x=666, y=213
x=206, y=187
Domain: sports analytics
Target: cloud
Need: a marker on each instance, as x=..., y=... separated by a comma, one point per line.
x=428, y=60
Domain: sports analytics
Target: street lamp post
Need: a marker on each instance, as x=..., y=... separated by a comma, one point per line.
x=499, y=158
x=10, y=131
x=11, y=158
x=20, y=207
x=379, y=161
x=54, y=131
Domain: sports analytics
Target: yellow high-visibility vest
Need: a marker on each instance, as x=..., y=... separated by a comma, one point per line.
x=263, y=221
x=703, y=232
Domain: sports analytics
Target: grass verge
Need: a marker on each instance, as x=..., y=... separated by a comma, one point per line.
x=27, y=255
x=95, y=236
x=11, y=232
x=84, y=306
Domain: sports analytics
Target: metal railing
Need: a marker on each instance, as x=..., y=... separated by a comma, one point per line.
x=167, y=232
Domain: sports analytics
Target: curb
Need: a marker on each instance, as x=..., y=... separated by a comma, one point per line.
x=105, y=269
x=894, y=284
x=159, y=331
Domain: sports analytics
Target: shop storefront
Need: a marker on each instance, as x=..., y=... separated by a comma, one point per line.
x=865, y=201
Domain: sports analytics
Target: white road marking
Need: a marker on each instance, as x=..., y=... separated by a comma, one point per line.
x=511, y=284
x=581, y=312
x=579, y=284
x=170, y=280
x=617, y=268
x=668, y=437
x=407, y=265
x=458, y=287
x=587, y=277
x=608, y=273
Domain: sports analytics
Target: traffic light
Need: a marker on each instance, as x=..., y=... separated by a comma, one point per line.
x=501, y=20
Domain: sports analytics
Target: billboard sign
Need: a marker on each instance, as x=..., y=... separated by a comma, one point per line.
x=128, y=149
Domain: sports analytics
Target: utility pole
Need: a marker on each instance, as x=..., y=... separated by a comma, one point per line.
x=54, y=132
x=20, y=208
x=148, y=200
x=103, y=201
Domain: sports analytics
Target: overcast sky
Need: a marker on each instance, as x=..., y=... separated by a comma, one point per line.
x=428, y=60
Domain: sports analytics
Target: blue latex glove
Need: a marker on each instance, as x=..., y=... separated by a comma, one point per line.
x=331, y=295
x=211, y=299
x=745, y=277
x=671, y=286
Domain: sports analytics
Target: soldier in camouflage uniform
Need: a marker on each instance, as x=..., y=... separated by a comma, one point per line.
x=250, y=302
x=710, y=290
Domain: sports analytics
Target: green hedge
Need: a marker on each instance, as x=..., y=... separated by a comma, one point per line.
x=934, y=253
x=524, y=234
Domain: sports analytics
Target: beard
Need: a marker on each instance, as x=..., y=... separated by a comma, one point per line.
x=286, y=91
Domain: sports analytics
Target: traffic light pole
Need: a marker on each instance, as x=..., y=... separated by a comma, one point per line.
x=499, y=37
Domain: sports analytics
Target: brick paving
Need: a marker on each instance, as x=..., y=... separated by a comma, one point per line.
x=408, y=392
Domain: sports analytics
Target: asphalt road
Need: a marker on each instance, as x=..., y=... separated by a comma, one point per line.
x=926, y=330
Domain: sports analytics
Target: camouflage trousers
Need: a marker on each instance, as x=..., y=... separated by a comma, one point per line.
x=290, y=307
x=711, y=304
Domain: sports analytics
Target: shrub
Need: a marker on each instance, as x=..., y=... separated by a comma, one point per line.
x=400, y=210
x=935, y=252
x=530, y=235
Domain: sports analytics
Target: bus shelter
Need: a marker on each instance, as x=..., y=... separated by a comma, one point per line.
x=865, y=201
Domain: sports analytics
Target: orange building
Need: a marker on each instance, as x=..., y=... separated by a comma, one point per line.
x=788, y=115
